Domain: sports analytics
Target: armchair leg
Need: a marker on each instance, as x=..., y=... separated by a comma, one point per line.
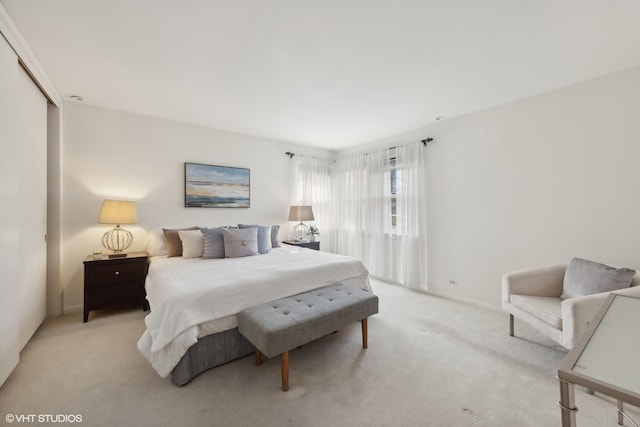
x=511, y=325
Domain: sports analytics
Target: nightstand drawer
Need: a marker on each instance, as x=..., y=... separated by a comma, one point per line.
x=113, y=293
x=112, y=274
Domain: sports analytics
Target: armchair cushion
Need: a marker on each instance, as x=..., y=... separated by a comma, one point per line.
x=548, y=309
x=584, y=277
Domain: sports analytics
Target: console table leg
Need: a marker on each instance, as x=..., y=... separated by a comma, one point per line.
x=567, y=404
x=623, y=416
x=620, y=412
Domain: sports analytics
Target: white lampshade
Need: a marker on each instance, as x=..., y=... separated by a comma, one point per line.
x=118, y=212
x=301, y=213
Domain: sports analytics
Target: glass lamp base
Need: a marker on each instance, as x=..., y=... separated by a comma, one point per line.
x=117, y=240
x=300, y=232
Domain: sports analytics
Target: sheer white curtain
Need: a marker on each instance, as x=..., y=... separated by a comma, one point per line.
x=410, y=245
x=362, y=193
x=349, y=204
x=312, y=184
x=390, y=242
x=372, y=207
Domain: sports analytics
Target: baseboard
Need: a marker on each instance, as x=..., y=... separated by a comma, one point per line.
x=470, y=302
x=68, y=309
x=449, y=297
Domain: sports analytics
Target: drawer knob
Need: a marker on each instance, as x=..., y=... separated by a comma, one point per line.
x=117, y=273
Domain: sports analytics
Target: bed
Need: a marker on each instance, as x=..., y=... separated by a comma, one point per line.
x=194, y=302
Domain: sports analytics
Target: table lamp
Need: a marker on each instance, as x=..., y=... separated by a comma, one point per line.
x=117, y=212
x=301, y=213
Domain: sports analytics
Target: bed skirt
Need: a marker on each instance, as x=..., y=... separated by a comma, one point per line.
x=210, y=351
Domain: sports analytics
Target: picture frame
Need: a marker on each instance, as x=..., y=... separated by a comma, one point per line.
x=213, y=186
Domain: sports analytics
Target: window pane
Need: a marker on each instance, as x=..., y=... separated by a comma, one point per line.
x=393, y=181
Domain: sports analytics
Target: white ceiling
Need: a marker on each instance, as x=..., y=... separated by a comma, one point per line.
x=328, y=73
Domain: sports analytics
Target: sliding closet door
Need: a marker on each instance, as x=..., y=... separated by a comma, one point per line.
x=31, y=106
x=23, y=196
x=9, y=234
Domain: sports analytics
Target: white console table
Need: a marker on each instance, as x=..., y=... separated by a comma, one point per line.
x=606, y=359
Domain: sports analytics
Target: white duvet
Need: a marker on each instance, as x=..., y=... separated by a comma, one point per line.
x=190, y=298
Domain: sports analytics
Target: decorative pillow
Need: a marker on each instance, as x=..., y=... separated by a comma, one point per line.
x=221, y=226
x=192, y=243
x=275, y=229
x=213, y=242
x=238, y=243
x=584, y=277
x=264, y=236
x=174, y=244
x=157, y=245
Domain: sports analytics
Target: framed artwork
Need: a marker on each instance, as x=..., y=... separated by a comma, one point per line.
x=209, y=186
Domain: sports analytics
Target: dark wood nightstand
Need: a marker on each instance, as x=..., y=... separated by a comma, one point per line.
x=310, y=245
x=115, y=281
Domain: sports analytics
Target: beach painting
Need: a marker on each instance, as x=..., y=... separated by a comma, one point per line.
x=209, y=186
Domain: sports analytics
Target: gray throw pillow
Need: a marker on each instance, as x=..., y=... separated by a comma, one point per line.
x=274, y=236
x=264, y=236
x=584, y=277
x=213, y=242
x=238, y=243
x=174, y=244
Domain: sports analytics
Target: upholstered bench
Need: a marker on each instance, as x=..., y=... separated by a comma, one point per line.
x=282, y=325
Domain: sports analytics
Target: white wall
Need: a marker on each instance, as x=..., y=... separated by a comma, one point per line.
x=531, y=183
x=111, y=154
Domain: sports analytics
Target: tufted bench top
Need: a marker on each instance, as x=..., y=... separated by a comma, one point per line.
x=281, y=325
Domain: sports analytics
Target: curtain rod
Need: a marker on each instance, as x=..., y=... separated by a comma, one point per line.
x=424, y=142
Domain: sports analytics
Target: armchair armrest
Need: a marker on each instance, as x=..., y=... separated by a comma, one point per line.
x=578, y=312
x=540, y=281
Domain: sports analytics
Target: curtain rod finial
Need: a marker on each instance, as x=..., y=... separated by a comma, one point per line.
x=290, y=154
x=426, y=141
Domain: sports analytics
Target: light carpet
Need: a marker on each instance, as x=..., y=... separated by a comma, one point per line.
x=430, y=362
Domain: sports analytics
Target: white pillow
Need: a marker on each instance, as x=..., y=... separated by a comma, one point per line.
x=192, y=243
x=157, y=245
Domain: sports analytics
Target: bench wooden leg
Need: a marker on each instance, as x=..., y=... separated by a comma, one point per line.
x=364, y=333
x=284, y=370
x=258, y=357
